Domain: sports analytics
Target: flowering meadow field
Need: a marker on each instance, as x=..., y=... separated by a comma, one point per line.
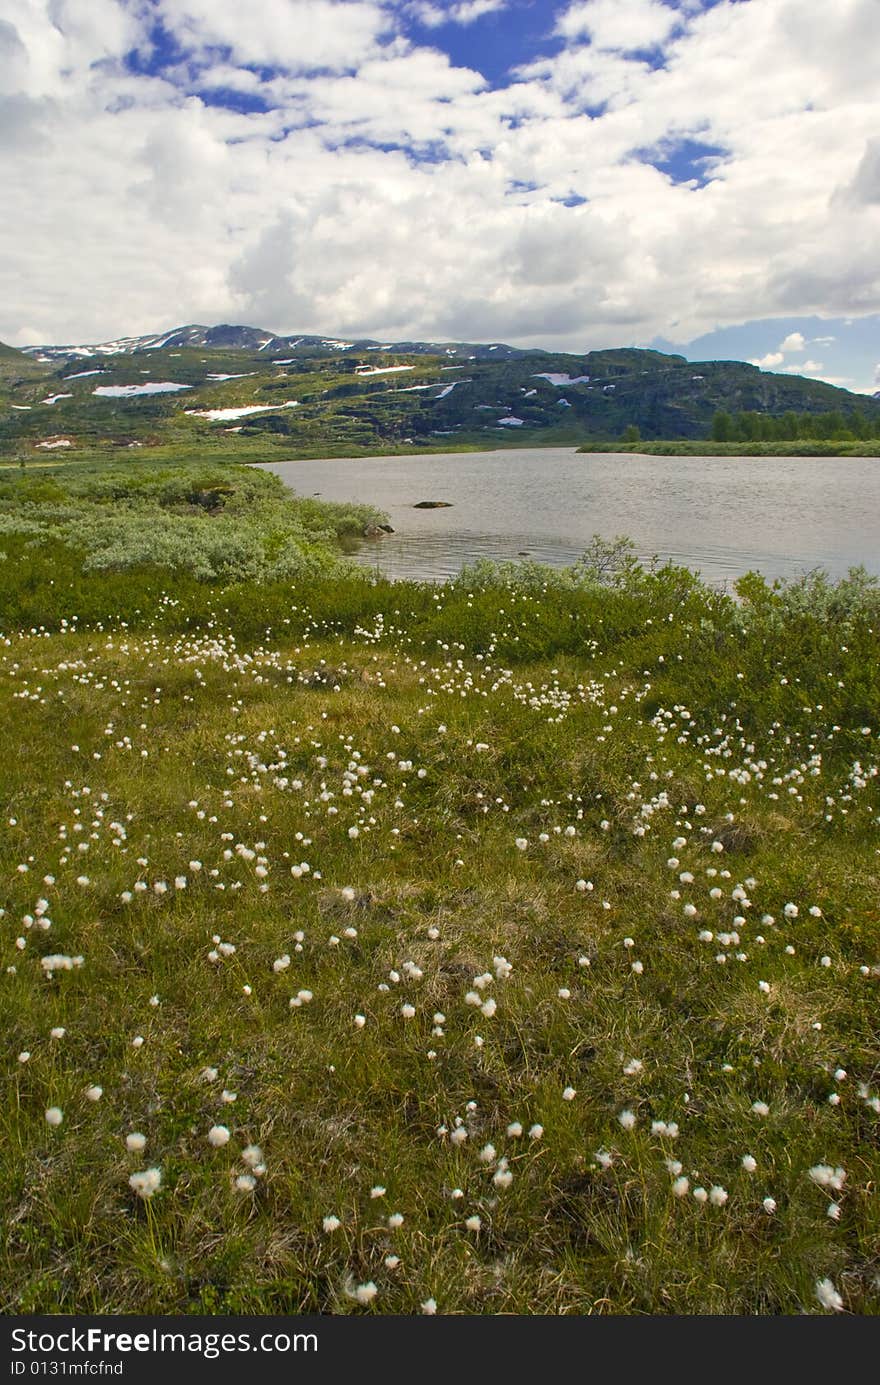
x=507, y=946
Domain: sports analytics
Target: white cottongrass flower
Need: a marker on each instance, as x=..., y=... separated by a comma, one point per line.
x=718, y=1196
x=749, y=1163
x=828, y=1296
x=769, y=1205
x=429, y=1306
x=633, y=1067
x=360, y=1021
x=252, y=1155
x=228, y=1097
x=502, y=1178
x=58, y=962
x=536, y=1132
x=514, y=1130
x=408, y=1011
x=521, y=843
x=135, y=1143
x=58, y=1032
x=487, y=1154
x=569, y=1094
x=604, y=1158
x=473, y=1224
x=832, y=1211
x=760, y=1108
x=391, y=1262
x=681, y=1186
x=137, y=1041
x=488, y=1008
x=395, y=1221
x=331, y=1224
x=627, y=1119
x=828, y=1177
x=364, y=1293
x=54, y=1115
x=146, y=1182
x=218, y=1136
x=94, y=1093
x=245, y=1183
x=281, y=963
x=377, y=1191
x=700, y=1195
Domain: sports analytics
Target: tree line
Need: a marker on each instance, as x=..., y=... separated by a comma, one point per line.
x=791, y=426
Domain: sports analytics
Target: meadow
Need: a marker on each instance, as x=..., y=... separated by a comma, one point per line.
x=506, y=946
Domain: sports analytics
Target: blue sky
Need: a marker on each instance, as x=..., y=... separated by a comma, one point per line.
x=569, y=173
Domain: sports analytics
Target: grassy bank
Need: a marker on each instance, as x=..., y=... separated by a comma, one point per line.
x=209, y=521
x=705, y=447
x=509, y=946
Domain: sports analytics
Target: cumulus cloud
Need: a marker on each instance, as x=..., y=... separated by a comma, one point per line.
x=464, y=12
x=300, y=35
x=610, y=24
x=768, y=362
x=312, y=165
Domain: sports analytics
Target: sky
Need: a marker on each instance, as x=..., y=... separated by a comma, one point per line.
x=698, y=175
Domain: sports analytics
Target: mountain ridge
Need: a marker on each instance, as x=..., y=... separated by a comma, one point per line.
x=237, y=337
x=201, y=386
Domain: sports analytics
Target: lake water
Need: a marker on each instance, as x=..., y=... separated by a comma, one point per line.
x=719, y=515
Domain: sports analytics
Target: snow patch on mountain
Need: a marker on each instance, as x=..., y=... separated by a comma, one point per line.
x=560, y=380
x=131, y=391
x=224, y=415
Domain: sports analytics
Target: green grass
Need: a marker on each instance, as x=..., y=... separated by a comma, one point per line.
x=521, y=671
x=705, y=447
x=630, y=727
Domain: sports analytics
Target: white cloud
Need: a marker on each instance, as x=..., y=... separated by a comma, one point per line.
x=804, y=368
x=146, y=206
x=768, y=362
x=300, y=35
x=613, y=25
x=465, y=12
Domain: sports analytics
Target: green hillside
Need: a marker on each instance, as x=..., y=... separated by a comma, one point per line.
x=321, y=398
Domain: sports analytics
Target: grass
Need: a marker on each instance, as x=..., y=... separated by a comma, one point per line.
x=705, y=447
x=369, y=798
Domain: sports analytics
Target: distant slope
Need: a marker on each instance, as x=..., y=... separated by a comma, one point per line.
x=227, y=337
x=207, y=386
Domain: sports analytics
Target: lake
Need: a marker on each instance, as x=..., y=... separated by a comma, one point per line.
x=719, y=515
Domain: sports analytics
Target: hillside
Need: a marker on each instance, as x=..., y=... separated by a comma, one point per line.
x=201, y=387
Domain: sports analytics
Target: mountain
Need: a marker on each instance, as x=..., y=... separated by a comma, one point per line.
x=226, y=337
x=224, y=385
